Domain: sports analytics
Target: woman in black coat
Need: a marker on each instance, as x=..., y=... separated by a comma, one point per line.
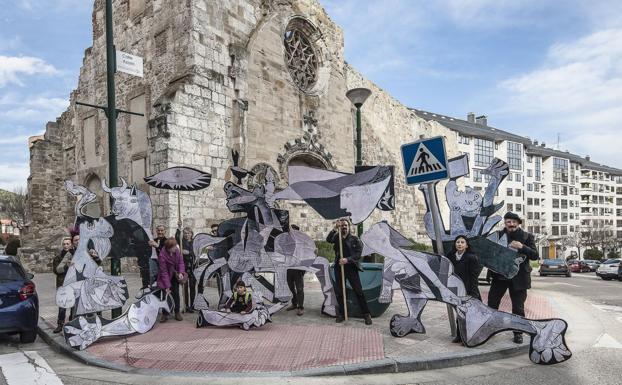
x=466, y=267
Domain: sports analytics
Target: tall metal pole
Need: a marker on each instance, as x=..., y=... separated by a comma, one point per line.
x=359, y=153
x=434, y=210
x=111, y=114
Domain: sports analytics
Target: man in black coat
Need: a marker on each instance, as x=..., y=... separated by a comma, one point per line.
x=351, y=261
x=525, y=245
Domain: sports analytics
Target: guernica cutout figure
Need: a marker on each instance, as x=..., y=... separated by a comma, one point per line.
x=424, y=276
x=259, y=242
x=89, y=288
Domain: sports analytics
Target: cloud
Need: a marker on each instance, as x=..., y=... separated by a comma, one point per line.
x=12, y=67
x=38, y=109
x=13, y=175
x=576, y=91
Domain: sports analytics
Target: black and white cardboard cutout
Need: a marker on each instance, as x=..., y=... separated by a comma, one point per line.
x=88, y=288
x=423, y=276
x=336, y=195
x=140, y=317
x=472, y=214
x=259, y=242
x=180, y=178
x=387, y=201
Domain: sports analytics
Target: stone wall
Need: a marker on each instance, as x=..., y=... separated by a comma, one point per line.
x=217, y=79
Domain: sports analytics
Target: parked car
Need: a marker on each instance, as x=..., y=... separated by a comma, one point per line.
x=577, y=266
x=554, y=267
x=2, y=248
x=19, y=303
x=592, y=263
x=610, y=269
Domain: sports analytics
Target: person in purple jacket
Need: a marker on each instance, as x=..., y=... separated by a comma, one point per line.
x=170, y=273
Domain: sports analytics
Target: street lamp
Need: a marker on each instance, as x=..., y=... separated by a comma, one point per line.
x=358, y=96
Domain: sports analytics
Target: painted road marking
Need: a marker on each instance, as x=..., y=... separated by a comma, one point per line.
x=27, y=368
x=607, y=341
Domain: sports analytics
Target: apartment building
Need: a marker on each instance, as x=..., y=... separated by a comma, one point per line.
x=562, y=197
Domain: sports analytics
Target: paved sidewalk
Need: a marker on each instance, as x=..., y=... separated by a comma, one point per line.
x=309, y=345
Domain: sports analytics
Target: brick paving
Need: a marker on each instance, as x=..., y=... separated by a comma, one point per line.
x=289, y=343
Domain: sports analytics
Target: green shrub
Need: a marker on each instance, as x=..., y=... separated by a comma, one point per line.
x=325, y=249
x=12, y=245
x=417, y=246
x=613, y=254
x=593, y=254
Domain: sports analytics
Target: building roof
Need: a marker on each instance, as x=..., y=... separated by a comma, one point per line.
x=467, y=128
x=464, y=127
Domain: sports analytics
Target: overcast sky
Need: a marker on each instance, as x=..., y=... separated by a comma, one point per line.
x=550, y=70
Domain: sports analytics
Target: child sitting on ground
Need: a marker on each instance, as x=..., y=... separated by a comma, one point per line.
x=241, y=301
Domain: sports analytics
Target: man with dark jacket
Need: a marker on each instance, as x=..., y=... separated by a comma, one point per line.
x=524, y=244
x=351, y=262
x=60, y=265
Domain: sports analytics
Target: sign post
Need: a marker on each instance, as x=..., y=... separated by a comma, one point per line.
x=425, y=161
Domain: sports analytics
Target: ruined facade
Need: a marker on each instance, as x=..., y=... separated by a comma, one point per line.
x=264, y=77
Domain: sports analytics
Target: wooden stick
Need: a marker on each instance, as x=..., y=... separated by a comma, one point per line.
x=343, y=276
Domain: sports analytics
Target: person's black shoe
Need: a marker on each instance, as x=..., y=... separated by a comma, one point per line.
x=456, y=339
x=58, y=329
x=367, y=319
x=339, y=319
x=291, y=307
x=518, y=338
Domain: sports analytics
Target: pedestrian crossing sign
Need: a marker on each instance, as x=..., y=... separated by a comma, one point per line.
x=425, y=160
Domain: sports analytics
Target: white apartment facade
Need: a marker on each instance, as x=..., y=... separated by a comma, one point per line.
x=562, y=197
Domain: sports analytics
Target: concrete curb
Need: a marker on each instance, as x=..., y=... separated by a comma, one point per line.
x=386, y=365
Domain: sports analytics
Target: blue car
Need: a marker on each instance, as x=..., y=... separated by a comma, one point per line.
x=19, y=303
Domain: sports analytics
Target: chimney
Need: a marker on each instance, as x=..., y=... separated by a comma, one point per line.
x=587, y=157
x=535, y=142
x=471, y=117
x=483, y=120
x=543, y=144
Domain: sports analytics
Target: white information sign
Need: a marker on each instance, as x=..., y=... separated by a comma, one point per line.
x=129, y=64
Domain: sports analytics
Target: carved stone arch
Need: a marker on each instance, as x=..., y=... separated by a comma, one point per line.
x=258, y=175
x=94, y=184
x=307, y=151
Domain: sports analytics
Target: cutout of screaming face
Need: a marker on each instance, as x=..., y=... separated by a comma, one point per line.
x=466, y=203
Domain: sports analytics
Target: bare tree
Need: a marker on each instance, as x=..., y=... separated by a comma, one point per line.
x=14, y=205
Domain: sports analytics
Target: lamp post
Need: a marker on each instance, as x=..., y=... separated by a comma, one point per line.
x=358, y=96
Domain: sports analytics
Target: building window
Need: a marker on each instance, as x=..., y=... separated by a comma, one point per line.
x=477, y=175
x=463, y=139
x=560, y=170
x=564, y=203
x=555, y=189
x=518, y=178
x=519, y=192
x=510, y=207
x=300, y=56
x=530, y=159
x=536, y=215
x=529, y=187
x=510, y=177
x=555, y=203
x=510, y=192
x=536, y=201
x=515, y=152
x=138, y=126
x=536, y=187
x=530, y=215
x=529, y=201
x=529, y=173
x=538, y=169
x=519, y=207
x=555, y=217
x=564, y=217
x=554, y=230
x=484, y=152
x=563, y=230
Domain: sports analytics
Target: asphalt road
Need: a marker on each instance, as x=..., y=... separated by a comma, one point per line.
x=593, y=308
